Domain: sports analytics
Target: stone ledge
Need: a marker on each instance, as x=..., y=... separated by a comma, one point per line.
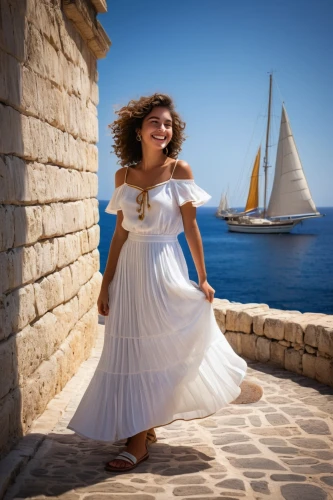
x=301, y=343
x=100, y=6
x=92, y=32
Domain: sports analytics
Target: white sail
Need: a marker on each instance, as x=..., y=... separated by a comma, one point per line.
x=224, y=205
x=290, y=193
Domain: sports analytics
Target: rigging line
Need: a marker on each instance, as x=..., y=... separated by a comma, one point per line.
x=241, y=184
x=279, y=91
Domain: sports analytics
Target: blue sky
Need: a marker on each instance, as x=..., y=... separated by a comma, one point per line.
x=213, y=58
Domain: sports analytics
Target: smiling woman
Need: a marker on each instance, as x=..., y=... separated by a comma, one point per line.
x=164, y=357
x=125, y=129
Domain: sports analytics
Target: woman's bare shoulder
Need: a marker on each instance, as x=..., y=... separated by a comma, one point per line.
x=183, y=170
x=119, y=177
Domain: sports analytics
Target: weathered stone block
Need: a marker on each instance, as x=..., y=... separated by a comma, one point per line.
x=234, y=339
x=293, y=360
x=295, y=328
x=245, y=318
x=248, y=345
x=49, y=292
x=28, y=225
x=19, y=308
x=84, y=241
x=21, y=182
x=69, y=249
x=285, y=343
x=47, y=257
x=42, y=58
x=36, y=344
x=324, y=370
x=10, y=421
x=259, y=321
x=314, y=328
x=37, y=391
x=296, y=346
x=309, y=365
x=278, y=353
x=74, y=216
x=8, y=370
x=310, y=349
x=7, y=231
x=10, y=126
x=94, y=237
x=13, y=26
x=86, y=266
x=17, y=266
x=84, y=297
x=294, y=331
x=6, y=412
x=89, y=212
x=232, y=312
x=325, y=341
x=10, y=90
x=46, y=21
x=4, y=281
x=44, y=143
x=70, y=40
x=263, y=349
x=67, y=316
x=53, y=220
x=4, y=329
x=274, y=326
x=66, y=278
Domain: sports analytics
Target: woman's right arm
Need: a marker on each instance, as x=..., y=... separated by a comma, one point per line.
x=118, y=239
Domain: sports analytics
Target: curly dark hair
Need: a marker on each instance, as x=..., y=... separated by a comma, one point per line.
x=126, y=147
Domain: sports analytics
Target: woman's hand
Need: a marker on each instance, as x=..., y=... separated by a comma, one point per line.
x=207, y=290
x=103, y=302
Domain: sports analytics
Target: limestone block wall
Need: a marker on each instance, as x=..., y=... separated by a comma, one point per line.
x=301, y=343
x=49, y=233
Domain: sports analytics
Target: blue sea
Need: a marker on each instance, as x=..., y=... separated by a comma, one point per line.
x=286, y=271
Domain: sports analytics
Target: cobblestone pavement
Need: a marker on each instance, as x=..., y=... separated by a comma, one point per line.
x=280, y=448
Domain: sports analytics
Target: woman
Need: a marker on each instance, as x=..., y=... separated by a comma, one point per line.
x=164, y=356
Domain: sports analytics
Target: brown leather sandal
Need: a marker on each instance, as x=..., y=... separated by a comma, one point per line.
x=126, y=457
x=151, y=438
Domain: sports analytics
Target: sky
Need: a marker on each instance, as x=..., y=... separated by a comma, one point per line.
x=214, y=59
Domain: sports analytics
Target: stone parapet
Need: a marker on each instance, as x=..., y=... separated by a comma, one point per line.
x=301, y=343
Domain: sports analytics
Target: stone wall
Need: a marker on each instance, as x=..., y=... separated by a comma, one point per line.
x=301, y=343
x=49, y=233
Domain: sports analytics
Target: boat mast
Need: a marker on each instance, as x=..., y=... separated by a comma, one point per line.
x=266, y=166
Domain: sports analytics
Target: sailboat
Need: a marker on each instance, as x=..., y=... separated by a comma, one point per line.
x=223, y=210
x=290, y=201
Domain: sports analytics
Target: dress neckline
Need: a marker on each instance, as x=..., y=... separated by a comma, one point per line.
x=155, y=185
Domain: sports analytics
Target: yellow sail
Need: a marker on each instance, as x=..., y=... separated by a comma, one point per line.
x=253, y=197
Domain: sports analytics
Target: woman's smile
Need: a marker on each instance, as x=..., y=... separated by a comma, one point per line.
x=159, y=138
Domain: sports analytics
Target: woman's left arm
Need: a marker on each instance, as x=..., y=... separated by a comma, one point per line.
x=193, y=238
x=192, y=233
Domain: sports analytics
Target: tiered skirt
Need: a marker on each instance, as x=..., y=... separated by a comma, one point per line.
x=164, y=357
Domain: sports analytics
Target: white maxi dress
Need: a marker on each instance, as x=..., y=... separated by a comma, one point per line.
x=164, y=357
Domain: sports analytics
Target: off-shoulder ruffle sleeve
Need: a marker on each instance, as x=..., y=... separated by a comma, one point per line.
x=115, y=203
x=187, y=190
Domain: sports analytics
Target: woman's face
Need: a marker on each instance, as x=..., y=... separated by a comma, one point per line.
x=156, y=130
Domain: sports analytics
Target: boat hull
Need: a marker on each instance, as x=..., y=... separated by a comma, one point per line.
x=262, y=228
